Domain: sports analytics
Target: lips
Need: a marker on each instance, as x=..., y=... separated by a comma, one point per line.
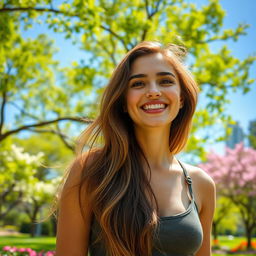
x=154, y=107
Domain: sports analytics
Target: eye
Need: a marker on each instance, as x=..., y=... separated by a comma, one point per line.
x=137, y=84
x=166, y=81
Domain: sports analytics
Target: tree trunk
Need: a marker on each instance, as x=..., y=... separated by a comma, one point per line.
x=33, y=221
x=249, y=238
x=214, y=231
x=32, y=229
x=54, y=224
x=4, y=201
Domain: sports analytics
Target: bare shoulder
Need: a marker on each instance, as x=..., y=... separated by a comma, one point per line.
x=77, y=166
x=205, y=198
x=203, y=185
x=200, y=177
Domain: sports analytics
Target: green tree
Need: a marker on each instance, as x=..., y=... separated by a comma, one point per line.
x=234, y=174
x=225, y=217
x=28, y=84
x=38, y=195
x=105, y=30
x=17, y=172
x=56, y=157
x=24, y=184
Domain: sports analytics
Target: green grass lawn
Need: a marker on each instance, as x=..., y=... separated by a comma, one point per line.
x=231, y=243
x=48, y=243
x=36, y=243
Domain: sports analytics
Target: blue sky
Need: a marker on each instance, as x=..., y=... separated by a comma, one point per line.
x=242, y=107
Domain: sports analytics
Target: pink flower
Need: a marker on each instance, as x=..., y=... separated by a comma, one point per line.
x=22, y=250
x=13, y=249
x=32, y=253
x=234, y=172
x=50, y=253
x=27, y=251
x=7, y=248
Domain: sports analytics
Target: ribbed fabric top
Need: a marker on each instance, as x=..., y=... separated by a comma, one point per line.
x=177, y=235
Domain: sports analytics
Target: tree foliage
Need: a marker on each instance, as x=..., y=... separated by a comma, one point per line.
x=56, y=157
x=225, y=217
x=24, y=183
x=17, y=170
x=235, y=175
x=38, y=195
x=41, y=90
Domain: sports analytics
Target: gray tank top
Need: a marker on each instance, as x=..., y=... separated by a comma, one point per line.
x=177, y=235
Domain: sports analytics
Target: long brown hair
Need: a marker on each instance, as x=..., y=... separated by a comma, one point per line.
x=117, y=183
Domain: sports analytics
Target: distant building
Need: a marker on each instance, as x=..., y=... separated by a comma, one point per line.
x=236, y=135
x=252, y=134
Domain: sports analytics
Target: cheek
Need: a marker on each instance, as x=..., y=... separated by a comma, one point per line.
x=174, y=95
x=132, y=99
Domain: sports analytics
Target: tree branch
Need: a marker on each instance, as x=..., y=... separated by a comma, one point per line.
x=4, y=85
x=9, y=208
x=2, y=111
x=111, y=54
x=62, y=136
x=27, y=210
x=11, y=205
x=156, y=9
x=213, y=39
x=44, y=123
x=44, y=9
x=146, y=6
x=23, y=111
x=115, y=35
x=38, y=9
x=149, y=16
x=6, y=192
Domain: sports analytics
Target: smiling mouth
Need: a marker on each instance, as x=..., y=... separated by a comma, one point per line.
x=153, y=106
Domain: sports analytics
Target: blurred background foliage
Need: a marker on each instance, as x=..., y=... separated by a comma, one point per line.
x=46, y=95
x=52, y=103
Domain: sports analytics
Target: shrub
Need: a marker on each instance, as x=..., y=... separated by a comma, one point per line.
x=13, y=251
x=25, y=227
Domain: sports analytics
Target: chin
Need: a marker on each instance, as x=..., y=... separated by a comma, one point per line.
x=155, y=124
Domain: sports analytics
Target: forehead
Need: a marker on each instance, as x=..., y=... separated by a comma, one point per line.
x=152, y=63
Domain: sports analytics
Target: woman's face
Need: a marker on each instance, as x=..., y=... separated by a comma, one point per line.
x=154, y=94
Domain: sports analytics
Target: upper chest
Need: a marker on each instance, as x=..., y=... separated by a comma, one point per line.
x=171, y=191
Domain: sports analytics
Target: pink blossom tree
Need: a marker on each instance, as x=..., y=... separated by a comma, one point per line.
x=235, y=176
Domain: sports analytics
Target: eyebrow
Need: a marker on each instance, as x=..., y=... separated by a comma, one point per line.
x=158, y=74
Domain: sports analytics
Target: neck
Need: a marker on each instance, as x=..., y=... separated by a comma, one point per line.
x=155, y=145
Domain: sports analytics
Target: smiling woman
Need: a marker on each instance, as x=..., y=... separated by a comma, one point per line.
x=130, y=196
x=153, y=96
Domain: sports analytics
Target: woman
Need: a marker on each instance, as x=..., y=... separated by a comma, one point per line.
x=129, y=195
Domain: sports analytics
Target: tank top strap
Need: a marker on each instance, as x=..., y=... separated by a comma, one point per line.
x=187, y=179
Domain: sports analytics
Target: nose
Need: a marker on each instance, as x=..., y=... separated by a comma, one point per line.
x=153, y=92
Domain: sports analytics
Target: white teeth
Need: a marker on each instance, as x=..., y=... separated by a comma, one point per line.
x=154, y=106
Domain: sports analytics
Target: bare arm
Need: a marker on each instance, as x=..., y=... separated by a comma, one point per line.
x=206, y=192
x=72, y=229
